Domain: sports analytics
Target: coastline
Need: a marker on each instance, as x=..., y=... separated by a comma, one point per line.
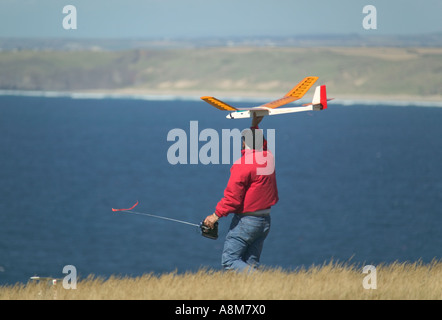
x=232, y=96
x=377, y=75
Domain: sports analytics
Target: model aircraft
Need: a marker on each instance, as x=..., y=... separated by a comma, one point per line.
x=319, y=102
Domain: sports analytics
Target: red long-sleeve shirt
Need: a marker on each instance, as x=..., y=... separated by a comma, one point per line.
x=252, y=184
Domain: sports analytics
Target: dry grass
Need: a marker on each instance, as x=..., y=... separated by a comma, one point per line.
x=414, y=281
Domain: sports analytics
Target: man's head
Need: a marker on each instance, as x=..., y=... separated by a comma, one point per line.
x=252, y=139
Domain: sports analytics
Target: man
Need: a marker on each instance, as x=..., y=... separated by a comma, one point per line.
x=250, y=193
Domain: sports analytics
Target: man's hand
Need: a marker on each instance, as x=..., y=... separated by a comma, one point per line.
x=210, y=220
x=256, y=120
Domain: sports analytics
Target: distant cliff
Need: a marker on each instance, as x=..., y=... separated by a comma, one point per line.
x=350, y=71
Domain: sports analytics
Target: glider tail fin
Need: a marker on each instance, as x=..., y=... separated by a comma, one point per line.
x=319, y=101
x=320, y=97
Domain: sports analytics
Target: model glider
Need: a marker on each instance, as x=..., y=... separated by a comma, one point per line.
x=319, y=102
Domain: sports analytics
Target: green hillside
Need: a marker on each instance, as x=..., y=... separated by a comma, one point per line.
x=346, y=71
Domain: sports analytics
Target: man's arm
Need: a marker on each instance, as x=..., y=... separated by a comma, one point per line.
x=256, y=120
x=233, y=198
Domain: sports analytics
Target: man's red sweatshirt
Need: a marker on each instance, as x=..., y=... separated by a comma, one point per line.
x=248, y=189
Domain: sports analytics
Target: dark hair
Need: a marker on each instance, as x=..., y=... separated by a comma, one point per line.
x=253, y=138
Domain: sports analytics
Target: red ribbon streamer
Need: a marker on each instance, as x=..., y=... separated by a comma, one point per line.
x=126, y=209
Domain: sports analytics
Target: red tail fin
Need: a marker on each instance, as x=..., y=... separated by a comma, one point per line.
x=320, y=98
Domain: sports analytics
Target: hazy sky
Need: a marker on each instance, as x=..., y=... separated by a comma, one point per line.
x=225, y=18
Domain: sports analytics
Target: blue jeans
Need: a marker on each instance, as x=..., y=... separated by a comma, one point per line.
x=244, y=242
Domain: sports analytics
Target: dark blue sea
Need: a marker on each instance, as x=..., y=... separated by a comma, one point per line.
x=359, y=184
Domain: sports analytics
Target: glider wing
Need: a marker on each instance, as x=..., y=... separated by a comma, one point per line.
x=218, y=104
x=296, y=93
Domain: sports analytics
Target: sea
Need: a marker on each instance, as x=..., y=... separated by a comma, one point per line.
x=359, y=183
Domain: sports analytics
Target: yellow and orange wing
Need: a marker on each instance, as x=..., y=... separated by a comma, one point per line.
x=218, y=104
x=296, y=93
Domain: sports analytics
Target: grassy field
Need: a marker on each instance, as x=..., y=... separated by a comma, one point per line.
x=413, y=281
x=353, y=71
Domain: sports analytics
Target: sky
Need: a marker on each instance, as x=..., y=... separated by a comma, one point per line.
x=215, y=18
